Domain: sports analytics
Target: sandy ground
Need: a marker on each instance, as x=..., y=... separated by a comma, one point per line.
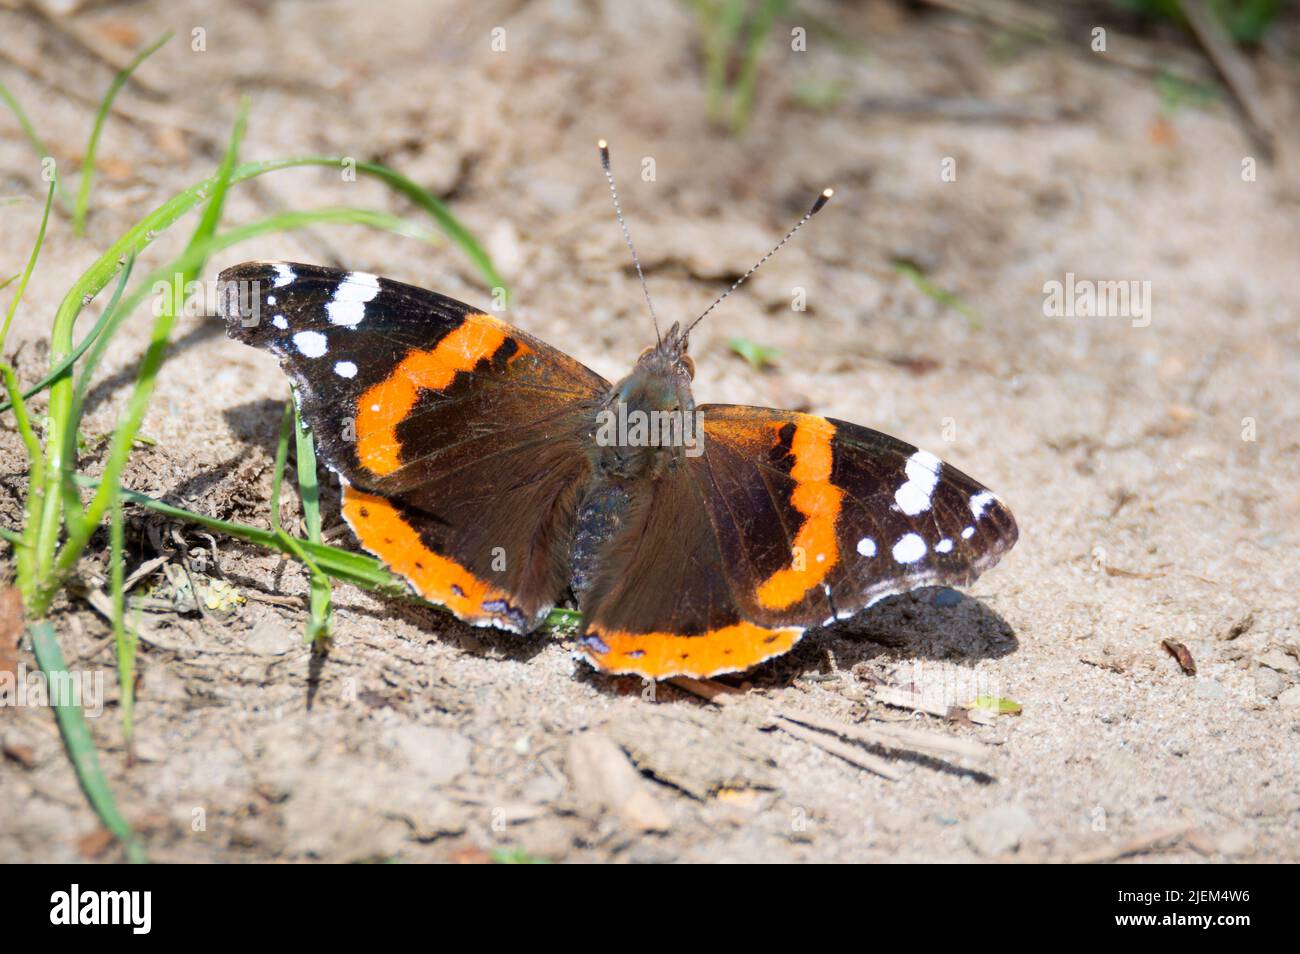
x=1148, y=508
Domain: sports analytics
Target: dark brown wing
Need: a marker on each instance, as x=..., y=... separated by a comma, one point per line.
x=786, y=521
x=458, y=436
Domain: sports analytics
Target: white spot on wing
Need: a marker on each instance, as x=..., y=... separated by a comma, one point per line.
x=280, y=322
x=345, y=369
x=283, y=275
x=922, y=476
x=943, y=546
x=310, y=344
x=867, y=547
x=909, y=548
x=270, y=299
x=979, y=501
x=357, y=286
x=968, y=533
x=346, y=313
x=348, y=306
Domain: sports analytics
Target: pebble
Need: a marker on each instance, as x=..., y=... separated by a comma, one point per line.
x=1000, y=830
x=1291, y=697
x=272, y=638
x=1268, y=682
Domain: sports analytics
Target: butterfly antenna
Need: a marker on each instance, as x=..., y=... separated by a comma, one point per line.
x=604, y=162
x=816, y=207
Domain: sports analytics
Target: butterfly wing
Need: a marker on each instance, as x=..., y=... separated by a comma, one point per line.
x=805, y=520
x=457, y=436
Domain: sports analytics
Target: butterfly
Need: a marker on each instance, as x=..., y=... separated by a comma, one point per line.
x=496, y=474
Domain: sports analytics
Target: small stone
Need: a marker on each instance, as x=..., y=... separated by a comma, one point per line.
x=1000, y=830
x=1291, y=697
x=271, y=638
x=437, y=754
x=1268, y=682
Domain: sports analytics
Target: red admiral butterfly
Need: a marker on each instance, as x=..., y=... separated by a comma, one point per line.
x=493, y=472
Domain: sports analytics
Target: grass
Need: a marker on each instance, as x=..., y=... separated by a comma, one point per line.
x=88, y=160
x=913, y=272
x=59, y=523
x=33, y=137
x=732, y=34
x=758, y=356
x=1245, y=20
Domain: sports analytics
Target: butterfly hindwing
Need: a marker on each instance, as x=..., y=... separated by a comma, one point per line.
x=458, y=437
x=788, y=521
x=662, y=602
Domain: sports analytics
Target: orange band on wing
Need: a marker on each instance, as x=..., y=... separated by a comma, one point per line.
x=660, y=655
x=385, y=405
x=384, y=531
x=815, y=551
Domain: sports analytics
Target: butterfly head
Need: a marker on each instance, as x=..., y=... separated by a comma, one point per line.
x=661, y=379
x=648, y=419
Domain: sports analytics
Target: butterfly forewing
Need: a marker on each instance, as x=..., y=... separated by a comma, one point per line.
x=820, y=518
x=458, y=436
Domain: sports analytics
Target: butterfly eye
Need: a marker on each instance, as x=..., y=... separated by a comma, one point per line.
x=689, y=364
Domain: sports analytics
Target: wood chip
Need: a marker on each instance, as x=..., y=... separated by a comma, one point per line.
x=603, y=775
x=1182, y=654
x=143, y=570
x=96, y=843
x=715, y=692
x=903, y=699
x=23, y=755
x=1238, y=628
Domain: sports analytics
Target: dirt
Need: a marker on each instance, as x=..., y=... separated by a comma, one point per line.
x=1153, y=469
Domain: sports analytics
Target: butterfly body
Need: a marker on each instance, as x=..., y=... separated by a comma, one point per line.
x=496, y=474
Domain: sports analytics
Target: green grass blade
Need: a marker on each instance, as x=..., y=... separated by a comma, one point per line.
x=941, y=295
x=59, y=369
x=439, y=212
x=88, y=162
x=81, y=527
x=281, y=455
x=25, y=555
x=33, y=137
x=80, y=744
x=320, y=624
x=759, y=29
x=27, y=272
x=342, y=565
